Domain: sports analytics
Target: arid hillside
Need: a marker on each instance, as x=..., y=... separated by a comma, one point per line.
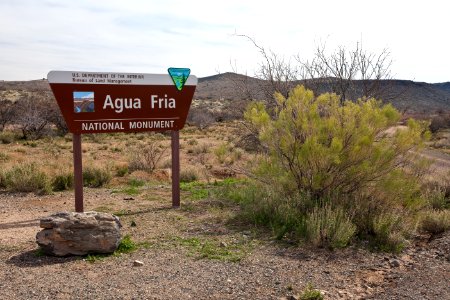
x=408, y=96
x=416, y=98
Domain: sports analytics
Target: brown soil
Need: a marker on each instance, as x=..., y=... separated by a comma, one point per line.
x=175, y=268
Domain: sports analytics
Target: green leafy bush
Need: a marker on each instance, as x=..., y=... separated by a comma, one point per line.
x=316, y=145
x=188, y=175
x=121, y=171
x=7, y=137
x=435, y=221
x=390, y=230
x=329, y=227
x=436, y=198
x=350, y=154
x=4, y=157
x=26, y=177
x=63, y=182
x=310, y=293
x=96, y=177
x=126, y=245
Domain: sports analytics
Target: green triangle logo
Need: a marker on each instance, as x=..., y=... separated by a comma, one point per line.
x=179, y=76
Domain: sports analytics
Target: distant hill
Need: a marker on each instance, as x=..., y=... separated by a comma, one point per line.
x=417, y=98
x=407, y=96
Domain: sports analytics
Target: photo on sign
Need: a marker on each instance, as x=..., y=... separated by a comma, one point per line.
x=83, y=102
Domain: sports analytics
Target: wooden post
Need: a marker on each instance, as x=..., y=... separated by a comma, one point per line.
x=175, y=168
x=78, y=172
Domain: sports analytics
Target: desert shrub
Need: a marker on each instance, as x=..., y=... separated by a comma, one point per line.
x=192, y=142
x=32, y=115
x=200, y=148
x=126, y=245
x=437, y=198
x=329, y=227
x=4, y=157
x=440, y=122
x=121, y=170
x=321, y=147
x=436, y=221
x=26, y=177
x=2, y=180
x=7, y=137
x=188, y=175
x=6, y=113
x=390, y=230
x=63, y=181
x=310, y=293
x=221, y=152
x=96, y=177
x=200, y=117
x=227, y=154
x=146, y=157
x=318, y=149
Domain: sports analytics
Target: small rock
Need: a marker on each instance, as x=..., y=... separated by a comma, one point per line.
x=223, y=244
x=138, y=263
x=128, y=198
x=394, y=263
x=133, y=224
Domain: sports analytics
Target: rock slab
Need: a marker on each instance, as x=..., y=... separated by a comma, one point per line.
x=71, y=233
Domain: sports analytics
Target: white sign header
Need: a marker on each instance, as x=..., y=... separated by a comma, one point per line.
x=78, y=77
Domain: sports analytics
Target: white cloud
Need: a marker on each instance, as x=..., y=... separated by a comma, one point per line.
x=150, y=36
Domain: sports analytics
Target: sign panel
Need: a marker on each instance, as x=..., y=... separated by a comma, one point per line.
x=94, y=102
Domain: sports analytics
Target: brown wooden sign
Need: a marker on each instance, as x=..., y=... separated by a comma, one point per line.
x=95, y=102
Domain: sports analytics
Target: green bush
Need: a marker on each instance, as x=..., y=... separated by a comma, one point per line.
x=310, y=293
x=349, y=154
x=318, y=146
x=121, y=171
x=26, y=177
x=126, y=245
x=188, y=175
x=436, y=198
x=4, y=156
x=63, y=182
x=435, y=221
x=96, y=177
x=329, y=227
x=390, y=230
x=7, y=137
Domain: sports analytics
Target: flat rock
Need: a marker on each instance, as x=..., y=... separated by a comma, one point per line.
x=138, y=263
x=71, y=233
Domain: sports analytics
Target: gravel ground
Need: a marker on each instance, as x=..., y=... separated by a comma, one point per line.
x=174, y=270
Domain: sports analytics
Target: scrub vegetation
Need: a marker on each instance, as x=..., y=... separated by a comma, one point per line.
x=325, y=173
x=293, y=178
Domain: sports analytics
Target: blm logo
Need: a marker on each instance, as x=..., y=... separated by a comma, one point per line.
x=83, y=102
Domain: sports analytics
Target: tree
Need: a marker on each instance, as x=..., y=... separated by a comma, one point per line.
x=353, y=73
x=350, y=73
x=278, y=75
x=32, y=116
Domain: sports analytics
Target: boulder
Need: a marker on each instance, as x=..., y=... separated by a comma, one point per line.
x=70, y=233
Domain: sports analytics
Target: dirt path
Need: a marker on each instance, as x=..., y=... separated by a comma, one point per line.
x=252, y=267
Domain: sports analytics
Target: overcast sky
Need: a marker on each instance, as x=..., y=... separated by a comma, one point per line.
x=149, y=36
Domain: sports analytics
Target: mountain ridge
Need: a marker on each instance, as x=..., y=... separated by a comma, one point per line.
x=411, y=97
